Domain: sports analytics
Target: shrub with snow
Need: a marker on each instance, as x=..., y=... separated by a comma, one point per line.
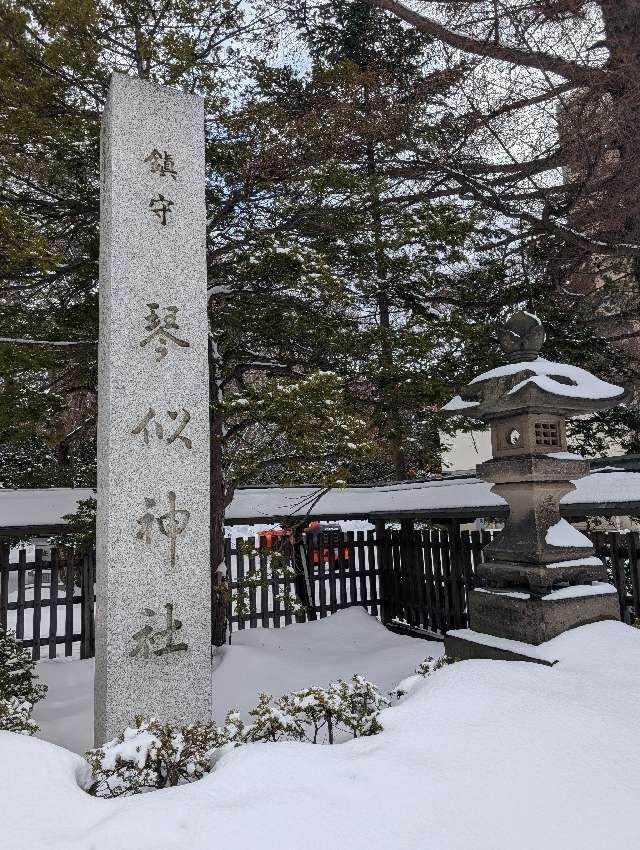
x=151, y=755
x=315, y=709
x=154, y=755
x=424, y=669
x=353, y=706
x=430, y=665
x=15, y=716
x=359, y=704
x=274, y=721
x=18, y=689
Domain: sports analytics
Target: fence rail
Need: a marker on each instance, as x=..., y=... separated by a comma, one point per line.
x=419, y=579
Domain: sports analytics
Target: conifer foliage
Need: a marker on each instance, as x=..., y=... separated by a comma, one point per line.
x=18, y=689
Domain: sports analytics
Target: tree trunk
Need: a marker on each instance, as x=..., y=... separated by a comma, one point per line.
x=389, y=419
x=218, y=503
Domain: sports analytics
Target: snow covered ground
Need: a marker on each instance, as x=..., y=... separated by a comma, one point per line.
x=273, y=661
x=485, y=755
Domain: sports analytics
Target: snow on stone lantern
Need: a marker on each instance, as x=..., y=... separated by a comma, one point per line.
x=540, y=576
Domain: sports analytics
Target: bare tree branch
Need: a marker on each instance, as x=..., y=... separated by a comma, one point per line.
x=574, y=71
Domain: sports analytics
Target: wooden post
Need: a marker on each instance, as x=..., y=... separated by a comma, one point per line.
x=634, y=569
x=53, y=605
x=408, y=585
x=4, y=584
x=382, y=553
x=300, y=557
x=457, y=573
x=37, y=604
x=69, y=592
x=22, y=585
x=87, y=628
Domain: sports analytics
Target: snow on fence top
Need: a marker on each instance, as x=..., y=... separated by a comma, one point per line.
x=574, y=383
x=602, y=492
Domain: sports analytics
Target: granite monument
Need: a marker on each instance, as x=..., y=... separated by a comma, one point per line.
x=153, y=640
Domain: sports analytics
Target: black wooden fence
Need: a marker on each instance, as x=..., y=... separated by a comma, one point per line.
x=49, y=603
x=417, y=579
x=426, y=575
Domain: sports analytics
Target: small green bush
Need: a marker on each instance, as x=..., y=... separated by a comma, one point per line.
x=154, y=755
x=19, y=691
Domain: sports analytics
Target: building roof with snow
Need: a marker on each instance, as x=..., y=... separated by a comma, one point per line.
x=610, y=491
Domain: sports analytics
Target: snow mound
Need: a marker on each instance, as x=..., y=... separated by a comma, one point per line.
x=275, y=661
x=463, y=761
x=564, y=534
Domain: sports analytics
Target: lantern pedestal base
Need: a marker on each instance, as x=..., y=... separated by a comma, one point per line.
x=539, y=578
x=502, y=617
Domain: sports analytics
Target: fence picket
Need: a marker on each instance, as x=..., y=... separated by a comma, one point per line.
x=240, y=578
x=373, y=570
x=253, y=609
x=420, y=584
x=86, y=608
x=53, y=604
x=454, y=557
x=333, y=599
x=264, y=589
x=4, y=585
x=275, y=594
x=69, y=590
x=440, y=597
x=362, y=568
x=342, y=571
x=322, y=581
x=634, y=570
x=310, y=550
x=37, y=604
x=429, y=580
x=351, y=565
x=288, y=583
x=22, y=583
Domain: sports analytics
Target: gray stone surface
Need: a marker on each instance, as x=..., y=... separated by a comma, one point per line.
x=153, y=433
x=472, y=647
x=536, y=621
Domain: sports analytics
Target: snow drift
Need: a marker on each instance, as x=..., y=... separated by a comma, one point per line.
x=483, y=754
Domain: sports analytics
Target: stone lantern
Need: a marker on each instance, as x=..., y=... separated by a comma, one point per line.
x=540, y=576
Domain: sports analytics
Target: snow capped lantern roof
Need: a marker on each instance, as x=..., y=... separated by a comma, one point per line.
x=561, y=379
x=529, y=382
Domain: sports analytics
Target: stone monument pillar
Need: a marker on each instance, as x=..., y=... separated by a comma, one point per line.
x=540, y=575
x=153, y=641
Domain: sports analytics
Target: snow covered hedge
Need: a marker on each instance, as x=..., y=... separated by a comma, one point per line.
x=154, y=755
x=424, y=669
x=18, y=689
